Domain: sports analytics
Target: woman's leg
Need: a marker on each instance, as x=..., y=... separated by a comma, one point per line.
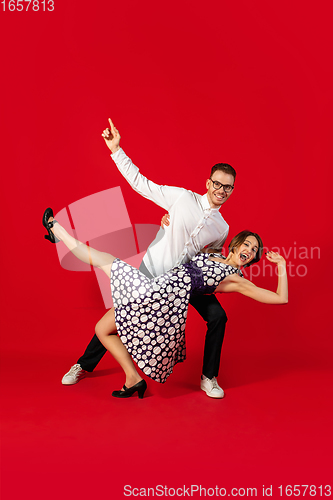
x=87, y=254
x=106, y=331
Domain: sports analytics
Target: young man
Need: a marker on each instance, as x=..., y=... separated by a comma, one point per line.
x=195, y=222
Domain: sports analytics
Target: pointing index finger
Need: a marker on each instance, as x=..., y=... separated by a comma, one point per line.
x=111, y=125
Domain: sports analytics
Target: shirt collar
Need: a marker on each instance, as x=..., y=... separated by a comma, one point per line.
x=206, y=205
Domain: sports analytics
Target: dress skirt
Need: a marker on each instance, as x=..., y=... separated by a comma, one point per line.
x=151, y=316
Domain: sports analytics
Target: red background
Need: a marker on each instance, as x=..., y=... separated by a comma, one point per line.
x=188, y=84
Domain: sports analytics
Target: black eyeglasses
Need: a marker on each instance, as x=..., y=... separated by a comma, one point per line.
x=227, y=188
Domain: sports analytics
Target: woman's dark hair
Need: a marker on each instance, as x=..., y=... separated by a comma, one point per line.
x=239, y=239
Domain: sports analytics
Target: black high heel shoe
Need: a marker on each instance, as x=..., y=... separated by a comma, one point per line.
x=127, y=392
x=48, y=225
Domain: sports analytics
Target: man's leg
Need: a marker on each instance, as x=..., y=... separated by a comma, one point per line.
x=92, y=355
x=89, y=360
x=94, y=351
x=213, y=313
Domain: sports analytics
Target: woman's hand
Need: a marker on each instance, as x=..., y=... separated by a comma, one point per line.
x=234, y=283
x=165, y=221
x=111, y=137
x=275, y=258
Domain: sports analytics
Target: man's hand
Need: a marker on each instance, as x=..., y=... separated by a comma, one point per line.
x=165, y=221
x=111, y=137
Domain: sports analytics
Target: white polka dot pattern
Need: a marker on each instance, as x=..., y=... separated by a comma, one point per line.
x=151, y=314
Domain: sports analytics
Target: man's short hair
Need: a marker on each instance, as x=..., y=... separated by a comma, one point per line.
x=224, y=167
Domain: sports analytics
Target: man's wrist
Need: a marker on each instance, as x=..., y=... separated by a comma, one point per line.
x=114, y=150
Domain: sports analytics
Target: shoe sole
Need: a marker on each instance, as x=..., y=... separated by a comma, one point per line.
x=73, y=383
x=210, y=395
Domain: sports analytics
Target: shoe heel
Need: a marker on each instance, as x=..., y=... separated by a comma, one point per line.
x=141, y=391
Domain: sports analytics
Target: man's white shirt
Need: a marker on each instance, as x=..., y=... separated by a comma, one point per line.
x=193, y=223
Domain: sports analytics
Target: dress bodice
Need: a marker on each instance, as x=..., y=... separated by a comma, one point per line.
x=207, y=274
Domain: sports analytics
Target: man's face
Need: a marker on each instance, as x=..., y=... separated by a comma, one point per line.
x=217, y=197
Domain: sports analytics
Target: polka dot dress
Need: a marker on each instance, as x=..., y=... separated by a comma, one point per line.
x=151, y=314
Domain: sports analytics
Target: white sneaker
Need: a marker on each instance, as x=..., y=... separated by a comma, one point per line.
x=74, y=375
x=211, y=387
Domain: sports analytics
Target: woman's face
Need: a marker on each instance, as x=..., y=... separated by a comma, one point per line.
x=246, y=252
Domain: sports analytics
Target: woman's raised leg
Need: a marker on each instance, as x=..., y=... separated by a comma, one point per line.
x=106, y=329
x=83, y=252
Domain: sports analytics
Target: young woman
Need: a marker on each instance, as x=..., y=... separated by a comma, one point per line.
x=150, y=315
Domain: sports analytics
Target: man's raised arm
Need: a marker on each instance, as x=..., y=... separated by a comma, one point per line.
x=164, y=196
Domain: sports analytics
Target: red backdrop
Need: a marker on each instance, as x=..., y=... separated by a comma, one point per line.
x=187, y=84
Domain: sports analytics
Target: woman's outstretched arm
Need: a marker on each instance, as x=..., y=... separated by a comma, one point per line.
x=235, y=283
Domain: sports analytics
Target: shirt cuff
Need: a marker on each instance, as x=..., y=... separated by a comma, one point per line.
x=115, y=155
